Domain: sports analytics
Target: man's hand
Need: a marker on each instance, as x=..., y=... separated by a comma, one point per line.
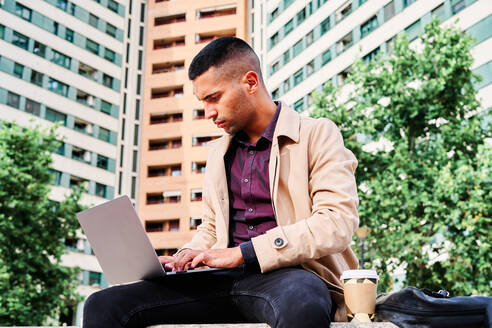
x=216, y=258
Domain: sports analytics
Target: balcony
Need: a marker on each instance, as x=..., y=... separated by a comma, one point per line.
x=169, y=43
x=210, y=36
x=166, y=118
x=170, y=19
x=216, y=11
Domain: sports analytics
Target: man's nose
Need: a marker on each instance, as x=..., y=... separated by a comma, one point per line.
x=210, y=111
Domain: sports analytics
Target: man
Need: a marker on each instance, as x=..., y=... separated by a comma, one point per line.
x=279, y=198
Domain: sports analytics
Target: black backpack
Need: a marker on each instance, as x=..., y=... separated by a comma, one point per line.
x=413, y=307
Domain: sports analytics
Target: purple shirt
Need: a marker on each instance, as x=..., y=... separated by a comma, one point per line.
x=250, y=205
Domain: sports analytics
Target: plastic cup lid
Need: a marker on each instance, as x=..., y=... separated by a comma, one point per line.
x=359, y=274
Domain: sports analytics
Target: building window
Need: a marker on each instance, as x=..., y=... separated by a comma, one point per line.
x=55, y=116
x=84, y=98
x=102, y=162
x=344, y=11
x=286, y=56
x=298, y=77
x=274, y=40
x=113, y=5
x=286, y=85
x=326, y=57
x=389, y=11
x=275, y=93
x=301, y=16
x=310, y=68
x=101, y=190
x=198, y=167
x=39, y=49
x=133, y=187
x=93, y=20
x=2, y=31
x=288, y=27
x=195, y=221
x=370, y=56
x=275, y=67
x=62, y=4
x=20, y=40
x=325, y=26
x=141, y=36
x=106, y=107
x=13, y=99
x=413, y=30
x=407, y=3
x=95, y=278
x=68, y=35
x=344, y=43
x=457, y=6
x=81, y=155
x=202, y=141
x=56, y=28
x=298, y=47
x=368, y=26
x=36, y=78
x=82, y=126
x=274, y=14
x=107, y=80
x=309, y=38
x=58, y=87
x=104, y=134
x=173, y=170
x=92, y=46
x=164, y=144
x=23, y=12
x=439, y=12
x=61, y=59
x=299, y=105
x=196, y=195
x=111, y=30
x=18, y=70
x=216, y=11
x=169, y=19
x=33, y=107
x=109, y=55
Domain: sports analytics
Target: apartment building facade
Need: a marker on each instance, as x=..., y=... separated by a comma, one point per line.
x=174, y=131
x=306, y=43
x=61, y=61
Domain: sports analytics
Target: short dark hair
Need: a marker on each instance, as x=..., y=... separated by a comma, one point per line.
x=220, y=51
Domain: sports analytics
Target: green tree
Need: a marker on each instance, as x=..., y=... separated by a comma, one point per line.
x=33, y=284
x=425, y=190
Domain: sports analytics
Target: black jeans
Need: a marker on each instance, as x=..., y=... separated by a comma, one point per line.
x=288, y=297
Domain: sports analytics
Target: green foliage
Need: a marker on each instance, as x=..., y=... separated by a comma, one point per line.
x=426, y=195
x=33, y=284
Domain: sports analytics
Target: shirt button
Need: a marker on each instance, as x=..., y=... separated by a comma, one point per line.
x=278, y=242
x=250, y=210
x=246, y=180
x=251, y=152
x=250, y=227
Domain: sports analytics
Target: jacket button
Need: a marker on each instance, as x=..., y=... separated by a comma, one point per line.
x=278, y=242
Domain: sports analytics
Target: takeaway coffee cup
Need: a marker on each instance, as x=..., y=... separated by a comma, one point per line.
x=359, y=288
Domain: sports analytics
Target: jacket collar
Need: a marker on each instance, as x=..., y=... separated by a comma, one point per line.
x=288, y=125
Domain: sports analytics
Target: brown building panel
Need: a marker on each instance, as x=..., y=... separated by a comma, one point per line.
x=174, y=132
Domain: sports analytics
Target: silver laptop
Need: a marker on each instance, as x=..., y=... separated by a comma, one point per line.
x=121, y=244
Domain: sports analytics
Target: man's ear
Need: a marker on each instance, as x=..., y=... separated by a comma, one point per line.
x=251, y=81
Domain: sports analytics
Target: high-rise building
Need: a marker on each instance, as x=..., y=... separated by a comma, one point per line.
x=306, y=43
x=61, y=61
x=174, y=131
x=131, y=103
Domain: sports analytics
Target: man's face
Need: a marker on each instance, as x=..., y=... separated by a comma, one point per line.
x=225, y=100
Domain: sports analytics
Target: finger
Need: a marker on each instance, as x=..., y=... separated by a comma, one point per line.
x=198, y=259
x=166, y=259
x=185, y=259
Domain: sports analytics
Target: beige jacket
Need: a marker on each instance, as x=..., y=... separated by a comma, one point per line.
x=314, y=198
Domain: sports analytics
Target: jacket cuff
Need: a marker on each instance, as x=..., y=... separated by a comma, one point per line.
x=249, y=255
